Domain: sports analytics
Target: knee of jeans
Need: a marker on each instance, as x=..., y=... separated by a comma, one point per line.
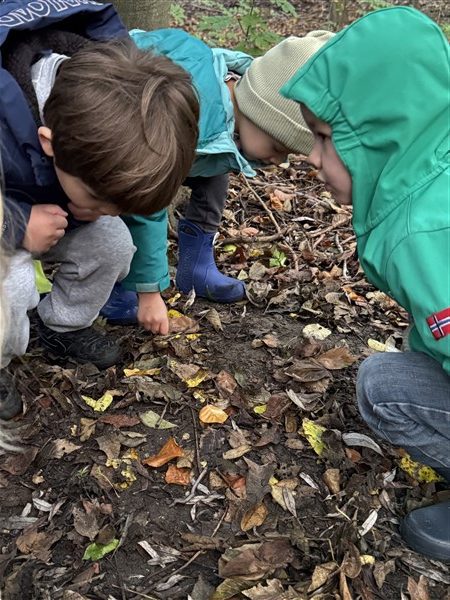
x=117, y=244
x=370, y=384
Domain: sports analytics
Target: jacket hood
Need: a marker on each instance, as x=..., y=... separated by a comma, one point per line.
x=382, y=84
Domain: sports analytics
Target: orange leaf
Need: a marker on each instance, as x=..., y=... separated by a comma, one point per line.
x=212, y=414
x=169, y=451
x=178, y=476
x=254, y=517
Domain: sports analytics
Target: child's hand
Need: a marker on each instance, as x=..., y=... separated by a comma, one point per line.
x=152, y=313
x=46, y=226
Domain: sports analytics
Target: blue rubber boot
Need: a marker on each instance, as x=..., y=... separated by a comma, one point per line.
x=197, y=268
x=121, y=307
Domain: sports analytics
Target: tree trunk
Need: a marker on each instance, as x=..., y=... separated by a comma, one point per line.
x=144, y=14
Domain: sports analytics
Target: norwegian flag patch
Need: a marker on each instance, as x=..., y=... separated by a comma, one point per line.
x=439, y=323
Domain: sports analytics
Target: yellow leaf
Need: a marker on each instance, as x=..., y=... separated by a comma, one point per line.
x=229, y=248
x=141, y=372
x=261, y=409
x=197, y=380
x=198, y=395
x=376, y=345
x=418, y=471
x=367, y=559
x=174, y=314
x=174, y=299
x=313, y=434
x=101, y=404
x=192, y=336
x=212, y=414
x=129, y=477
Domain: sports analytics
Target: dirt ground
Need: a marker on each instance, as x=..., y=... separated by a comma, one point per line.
x=290, y=497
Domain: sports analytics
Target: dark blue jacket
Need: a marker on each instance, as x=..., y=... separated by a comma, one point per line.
x=29, y=176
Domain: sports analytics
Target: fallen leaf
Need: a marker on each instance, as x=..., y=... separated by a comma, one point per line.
x=178, y=476
x=229, y=589
x=110, y=445
x=336, y=358
x=85, y=524
x=271, y=341
x=192, y=375
x=101, y=404
x=254, y=517
x=17, y=464
x=212, y=414
x=151, y=419
x=381, y=570
x=62, y=447
x=332, y=479
x=273, y=590
x=87, y=428
x=169, y=451
x=307, y=371
x=360, y=439
x=119, y=421
x=255, y=561
x=213, y=317
x=313, y=434
x=321, y=575
x=226, y=383
x=237, y=452
x=179, y=323
x=418, y=471
x=343, y=587
x=418, y=590
x=142, y=372
x=98, y=551
x=257, y=271
x=283, y=493
x=368, y=523
x=316, y=332
x=37, y=543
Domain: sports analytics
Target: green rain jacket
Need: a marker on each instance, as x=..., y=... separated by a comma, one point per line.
x=383, y=85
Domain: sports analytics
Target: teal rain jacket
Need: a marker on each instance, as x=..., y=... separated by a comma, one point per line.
x=383, y=85
x=217, y=152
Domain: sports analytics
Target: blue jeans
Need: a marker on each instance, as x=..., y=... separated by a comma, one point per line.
x=405, y=398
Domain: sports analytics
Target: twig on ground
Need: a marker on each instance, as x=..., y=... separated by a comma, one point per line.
x=261, y=201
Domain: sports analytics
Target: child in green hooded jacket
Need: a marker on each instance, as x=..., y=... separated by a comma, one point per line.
x=376, y=98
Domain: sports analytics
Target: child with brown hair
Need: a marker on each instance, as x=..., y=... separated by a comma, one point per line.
x=90, y=130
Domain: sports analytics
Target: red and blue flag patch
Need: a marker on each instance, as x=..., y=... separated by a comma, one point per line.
x=439, y=323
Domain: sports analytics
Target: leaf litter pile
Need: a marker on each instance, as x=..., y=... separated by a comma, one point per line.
x=226, y=460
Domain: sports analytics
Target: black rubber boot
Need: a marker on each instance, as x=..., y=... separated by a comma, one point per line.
x=87, y=345
x=10, y=401
x=427, y=530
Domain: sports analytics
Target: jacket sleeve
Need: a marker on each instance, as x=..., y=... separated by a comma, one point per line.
x=149, y=271
x=15, y=221
x=419, y=269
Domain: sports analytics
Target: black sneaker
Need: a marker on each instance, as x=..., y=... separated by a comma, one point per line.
x=87, y=345
x=10, y=400
x=427, y=531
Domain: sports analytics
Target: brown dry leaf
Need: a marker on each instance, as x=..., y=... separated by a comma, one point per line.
x=87, y=427
x=212, y=414
x=226, y=383
x=307, y=371
x=178, y=476
x=17, y=464
x=343, y=587
x=37, y=544
x=321, y=575
x=110, y=445
x=254, y=517
x=179, y=323
x=236, y=452
x=418, y=590
x=103, y=475
x=213, y=317
x=168, y=452
x=271, y=341
x=62, y=447
x=337, y=358
x=381, y=570
x=353, y=455
x=191, y=374
x=257, y=271
x=71, y=595
x=332, y=479
x=283, y=493
x=255, y=561
x=85, y=523
x=119, y=421
x=272, y=590
x=351, y=565
x=249, y=231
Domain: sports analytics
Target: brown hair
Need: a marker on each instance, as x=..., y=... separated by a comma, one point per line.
x=125, y=122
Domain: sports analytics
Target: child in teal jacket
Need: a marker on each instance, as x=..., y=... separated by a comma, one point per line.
x=376, y=98
x=244, y=123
